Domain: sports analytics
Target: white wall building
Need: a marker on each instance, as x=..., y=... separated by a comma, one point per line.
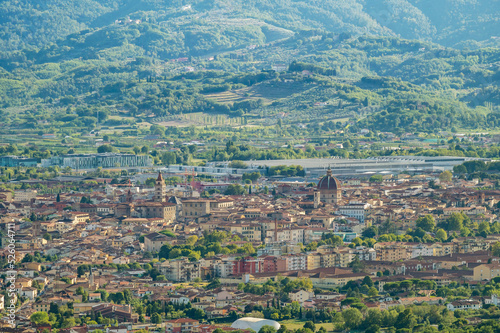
x=355, y=209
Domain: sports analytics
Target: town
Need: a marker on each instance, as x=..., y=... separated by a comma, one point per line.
x=137, y=253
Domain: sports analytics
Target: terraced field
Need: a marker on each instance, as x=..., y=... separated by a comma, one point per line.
x=267, y=91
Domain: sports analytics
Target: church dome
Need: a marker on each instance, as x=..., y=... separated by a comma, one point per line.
x=329, y=182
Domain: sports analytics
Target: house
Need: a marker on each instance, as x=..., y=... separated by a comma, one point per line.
x=465, y=304
x=178, y=299
x=122, y=313
x=29, y=292
x=300, y=296
x=183, y=325
x=154, y=241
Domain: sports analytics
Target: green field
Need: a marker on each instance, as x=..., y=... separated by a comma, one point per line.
x=294, y=324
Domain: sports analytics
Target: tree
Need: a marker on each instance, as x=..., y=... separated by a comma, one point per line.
x=445, y=176
x=426, y=222
x=54, y=308
x=267, y=329
x=356, y=265
x=195, y=313
x=117, y=298
x=248, y=248
x=370, y=232
x=191, y=240
x=460, y=169
x=282, y=329
x=372, y=292
x=367, y=281
x=495, y=249
x=310, y=325
x=252, y=177
x=40, y=317
x=373, y=329
x=68, y=322
x=105, y=149
x=441, y=235
x=406, y=319
x=237, y=164
x=455, y=221
x=352, y=318
x=156, y=318
x=473, y=166
x=213, y=285
x=235, y=189
x=373, y=317
x=376, y=179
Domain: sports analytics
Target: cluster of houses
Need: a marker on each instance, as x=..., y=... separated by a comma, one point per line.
x=290, y=233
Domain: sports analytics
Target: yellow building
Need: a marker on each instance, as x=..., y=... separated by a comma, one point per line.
x=162, y=210
x=486, y=272
x=313, y=260
x=195, y=208
x=391, y=251
x=249, y=230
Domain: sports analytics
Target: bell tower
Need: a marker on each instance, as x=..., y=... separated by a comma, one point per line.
x=160, y=189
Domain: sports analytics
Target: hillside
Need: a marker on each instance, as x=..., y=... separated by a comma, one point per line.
x=381, y=83
x=33, y=24
x=114, y=63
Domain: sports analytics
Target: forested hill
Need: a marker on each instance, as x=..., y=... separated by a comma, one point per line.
x=77, y=65
x=34, y=23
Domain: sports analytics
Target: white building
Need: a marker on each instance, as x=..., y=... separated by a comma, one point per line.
x=421, y=250
x=28, y=292
x=291, y=236
x=296, y=262
x=223, y=269
x=355, y=209
x=464, y=304
x=364, y=253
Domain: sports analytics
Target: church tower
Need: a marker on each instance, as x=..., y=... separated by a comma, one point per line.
x=160, y=189
x=91, y=278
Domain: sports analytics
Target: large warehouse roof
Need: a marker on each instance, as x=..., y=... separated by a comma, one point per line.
x=254, y=323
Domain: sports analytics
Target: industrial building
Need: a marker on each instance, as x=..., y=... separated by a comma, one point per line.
x=214, y=169
x=94, y=161
x=317, y=167
x=15, y=161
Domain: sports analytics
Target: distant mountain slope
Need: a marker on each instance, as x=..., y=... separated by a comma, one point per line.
x=35, y=23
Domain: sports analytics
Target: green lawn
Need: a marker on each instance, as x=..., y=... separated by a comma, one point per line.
x=294, y=324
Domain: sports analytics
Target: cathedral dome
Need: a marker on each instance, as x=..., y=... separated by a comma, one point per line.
x=329, y=182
